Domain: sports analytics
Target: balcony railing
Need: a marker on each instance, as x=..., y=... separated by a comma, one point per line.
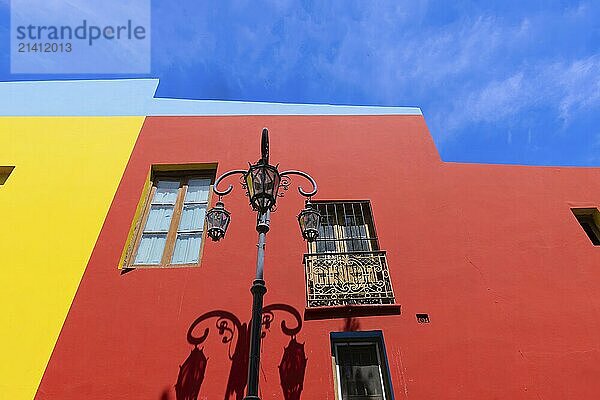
x=336, y=279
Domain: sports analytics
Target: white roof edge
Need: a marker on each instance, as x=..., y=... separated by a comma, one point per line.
x=135, y=97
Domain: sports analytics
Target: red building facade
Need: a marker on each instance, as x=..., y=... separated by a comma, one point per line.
x=495, y=290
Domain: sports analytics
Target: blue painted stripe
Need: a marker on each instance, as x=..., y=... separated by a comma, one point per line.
x=356, y=335
x=135, y=97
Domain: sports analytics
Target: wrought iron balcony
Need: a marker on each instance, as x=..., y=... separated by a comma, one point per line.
x=338, y=279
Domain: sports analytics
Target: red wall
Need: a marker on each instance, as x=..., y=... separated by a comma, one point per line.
x=492, y=253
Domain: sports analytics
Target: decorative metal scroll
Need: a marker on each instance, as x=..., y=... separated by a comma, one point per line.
x=225, y=192
x=334, y=279
x=284, y=184
x=285, y=175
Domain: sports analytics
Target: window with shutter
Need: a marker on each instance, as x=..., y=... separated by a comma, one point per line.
x=171, y=229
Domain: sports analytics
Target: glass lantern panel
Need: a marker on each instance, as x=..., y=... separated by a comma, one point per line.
x=312, y=220
x=217, y=219
x=258, y=178
x=250, y=184
x=275, y=181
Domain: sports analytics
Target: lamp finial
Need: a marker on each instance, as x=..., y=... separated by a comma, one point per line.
x=264, y=146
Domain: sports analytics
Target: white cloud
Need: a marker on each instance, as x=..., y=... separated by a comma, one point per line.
x=566, y=87
x=580, y=83
x=495, y=101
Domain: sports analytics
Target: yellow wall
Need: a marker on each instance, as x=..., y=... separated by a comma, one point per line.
x=52, y=209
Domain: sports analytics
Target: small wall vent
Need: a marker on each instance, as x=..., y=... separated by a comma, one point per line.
x=423, y=318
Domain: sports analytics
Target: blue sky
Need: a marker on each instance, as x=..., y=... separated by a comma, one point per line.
x=500, y=82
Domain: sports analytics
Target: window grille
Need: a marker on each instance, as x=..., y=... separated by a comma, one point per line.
x=344, y=265
x=345, y=227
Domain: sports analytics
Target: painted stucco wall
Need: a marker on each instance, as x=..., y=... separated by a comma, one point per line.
x=53, y=205
x=491, y=252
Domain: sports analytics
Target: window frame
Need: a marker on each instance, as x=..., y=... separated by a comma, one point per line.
x=361, y=338
x=183, y=177
x=591, y=217
x=5, y=171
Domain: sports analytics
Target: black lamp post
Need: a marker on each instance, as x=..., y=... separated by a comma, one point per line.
x=262, y=182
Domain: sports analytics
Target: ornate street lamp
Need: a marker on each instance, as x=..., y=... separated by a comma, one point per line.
x=309, y=220
x=262, y=182
x=217, y=221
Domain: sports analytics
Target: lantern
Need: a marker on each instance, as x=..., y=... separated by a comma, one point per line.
x=309, y=220
x=217, y=221
x=262, y=181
